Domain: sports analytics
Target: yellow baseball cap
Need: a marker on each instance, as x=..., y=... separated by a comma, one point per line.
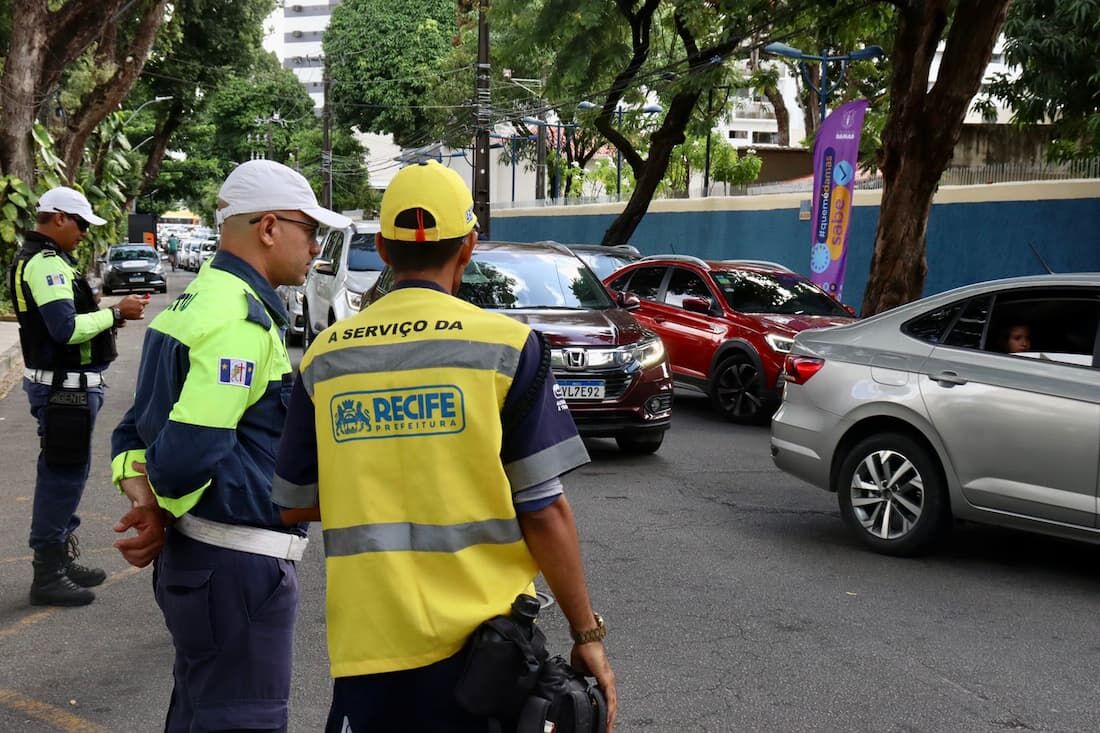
x=437, y=190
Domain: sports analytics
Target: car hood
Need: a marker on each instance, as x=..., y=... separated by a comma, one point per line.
x=803, y=322
x=360, y=281
x=610, y=327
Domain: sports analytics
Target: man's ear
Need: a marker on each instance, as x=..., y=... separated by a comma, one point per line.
x=380, y=246
x=266, y=226
x=466, y=251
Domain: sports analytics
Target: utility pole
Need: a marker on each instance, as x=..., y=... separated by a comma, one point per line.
x=326, y=140
x=481, y=126
x=540, y=159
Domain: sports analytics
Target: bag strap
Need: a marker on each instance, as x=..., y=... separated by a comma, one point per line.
x=512, y=418
x=507, y=628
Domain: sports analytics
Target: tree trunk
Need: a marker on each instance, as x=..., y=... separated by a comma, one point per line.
x=105, y=97
x=782, y=115
x=920, y=134
x=166, y=128
x=18, y=90
x=649, y=173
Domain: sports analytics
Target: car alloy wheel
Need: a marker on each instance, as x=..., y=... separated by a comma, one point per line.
x=891, y=493
x=738, y=390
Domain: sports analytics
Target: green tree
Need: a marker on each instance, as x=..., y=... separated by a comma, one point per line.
x=1052, y=44
x=384, y=58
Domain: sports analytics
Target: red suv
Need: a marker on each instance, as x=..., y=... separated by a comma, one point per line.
x=614, y=373
x=727, y=325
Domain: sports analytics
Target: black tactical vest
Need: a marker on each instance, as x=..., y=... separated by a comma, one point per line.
x=39, y=350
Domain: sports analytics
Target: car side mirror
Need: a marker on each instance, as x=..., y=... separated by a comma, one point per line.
x=324, y=267
x=696, y=305
x=628, y=301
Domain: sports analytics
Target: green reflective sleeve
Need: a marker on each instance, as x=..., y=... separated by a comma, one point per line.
x=227, y=374
x=122, y=466
x=88, y=325
x=49, y=278
x=179, y=507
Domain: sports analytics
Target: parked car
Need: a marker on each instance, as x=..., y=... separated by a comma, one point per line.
x=727, y=325
x=188, y=251
x=292, y=296
x=346, y=268
x=614, y=373
x=207, y=248
x=920, y=414
x=604, y=260
x=134, y=267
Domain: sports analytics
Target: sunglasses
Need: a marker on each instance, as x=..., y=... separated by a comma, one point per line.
x=311, y=227
x=81, y=224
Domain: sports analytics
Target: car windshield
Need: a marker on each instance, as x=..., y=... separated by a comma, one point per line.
x=537, y=279
x=121, y=254
x=362, y=256
x=783, y=293
x=604, y=264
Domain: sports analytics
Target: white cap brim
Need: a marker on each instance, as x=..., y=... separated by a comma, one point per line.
x=327, y=218
x=93, y=219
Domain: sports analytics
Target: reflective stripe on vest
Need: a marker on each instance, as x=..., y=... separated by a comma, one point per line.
x=421, y=538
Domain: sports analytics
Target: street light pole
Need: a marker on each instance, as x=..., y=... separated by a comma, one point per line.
x=824, y=87
x=143, y=106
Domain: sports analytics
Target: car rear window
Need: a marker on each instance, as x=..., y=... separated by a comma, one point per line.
x=784, y=293
x=121, y=254
x=362, y=255
x=517, y=280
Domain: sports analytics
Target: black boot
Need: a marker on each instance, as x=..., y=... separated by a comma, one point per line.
x=82, y=576
x=51, y=587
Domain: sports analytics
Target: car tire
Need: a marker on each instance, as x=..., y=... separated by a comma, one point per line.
x=737, y=391
x=892, y=494
x=640, y=444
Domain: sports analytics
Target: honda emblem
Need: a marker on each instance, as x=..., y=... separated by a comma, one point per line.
x=576, y=358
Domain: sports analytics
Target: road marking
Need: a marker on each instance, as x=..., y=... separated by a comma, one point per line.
x=83, y=553
x=53, y=716
x=34, y=618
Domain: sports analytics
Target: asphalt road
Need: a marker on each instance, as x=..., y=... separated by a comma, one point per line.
x=735, y=601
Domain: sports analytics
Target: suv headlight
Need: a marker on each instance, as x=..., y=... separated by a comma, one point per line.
x=298, y=296
x=354, y=299
x=647, y=353
x=781, y=344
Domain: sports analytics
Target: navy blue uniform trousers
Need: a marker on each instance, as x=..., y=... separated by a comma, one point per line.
x=231, y=616
x=57, y=489
x=419, y=699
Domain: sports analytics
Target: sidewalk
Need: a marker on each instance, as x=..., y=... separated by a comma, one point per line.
x=11, y=359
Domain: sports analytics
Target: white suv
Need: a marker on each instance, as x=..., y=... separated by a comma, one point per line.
x=347, y=268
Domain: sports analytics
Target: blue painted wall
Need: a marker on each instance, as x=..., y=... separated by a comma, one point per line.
x=967, y=242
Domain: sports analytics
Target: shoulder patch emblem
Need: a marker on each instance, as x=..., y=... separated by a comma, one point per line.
x=56, y=279
x=236, y=372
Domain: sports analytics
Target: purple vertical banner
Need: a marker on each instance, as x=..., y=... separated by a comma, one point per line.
x=836, y=152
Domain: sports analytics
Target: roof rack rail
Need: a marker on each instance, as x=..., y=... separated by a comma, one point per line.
x=766, y=263
x=679, y=258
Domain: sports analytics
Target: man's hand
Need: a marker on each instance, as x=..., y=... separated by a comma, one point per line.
x=591, y=660
x=150, y=523
x=132, y=307
x=145, y=516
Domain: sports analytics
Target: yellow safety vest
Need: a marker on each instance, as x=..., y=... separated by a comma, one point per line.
x=421, y=538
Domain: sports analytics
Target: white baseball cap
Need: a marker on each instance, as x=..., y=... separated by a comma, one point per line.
x=264, y=185
x=69, y=201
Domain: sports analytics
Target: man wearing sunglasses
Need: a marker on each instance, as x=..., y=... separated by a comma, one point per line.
x=67, y=342
x=197, y=451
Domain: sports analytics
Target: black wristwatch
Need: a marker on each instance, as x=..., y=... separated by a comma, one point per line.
x=117, y=313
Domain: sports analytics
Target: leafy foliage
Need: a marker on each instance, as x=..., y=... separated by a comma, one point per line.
x=1053, y=42
x=384, y=57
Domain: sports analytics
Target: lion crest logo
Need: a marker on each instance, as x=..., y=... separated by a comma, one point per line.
x=349, y=418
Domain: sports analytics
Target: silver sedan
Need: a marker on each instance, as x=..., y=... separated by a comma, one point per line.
x=982, y=403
